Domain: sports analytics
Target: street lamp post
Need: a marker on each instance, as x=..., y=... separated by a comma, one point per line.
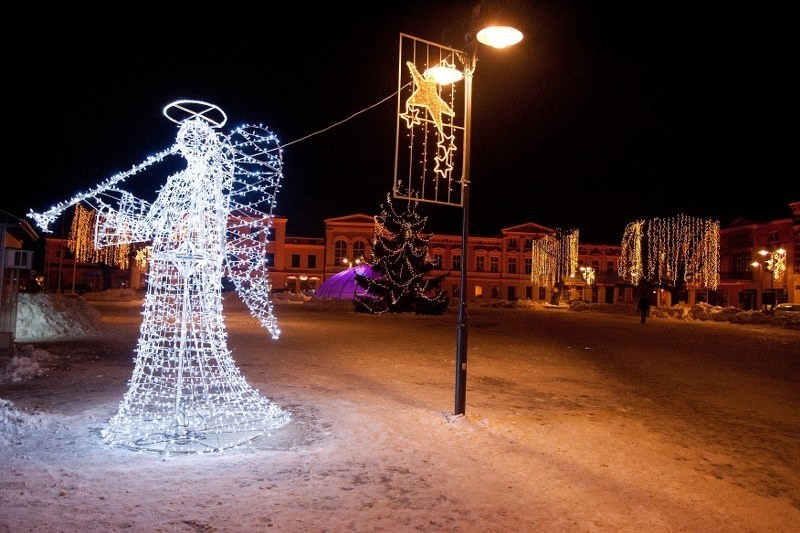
x=757, y=264
x=775, y=263
x=497, y=36
x=462, y=327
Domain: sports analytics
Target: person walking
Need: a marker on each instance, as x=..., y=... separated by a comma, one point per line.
x=644, y=308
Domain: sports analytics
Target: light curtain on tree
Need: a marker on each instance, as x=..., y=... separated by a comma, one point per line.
x=678, y=249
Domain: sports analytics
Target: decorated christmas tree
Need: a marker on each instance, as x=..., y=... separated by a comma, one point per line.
x=402, y=263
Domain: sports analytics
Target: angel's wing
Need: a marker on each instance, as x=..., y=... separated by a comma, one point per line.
x=258, y=164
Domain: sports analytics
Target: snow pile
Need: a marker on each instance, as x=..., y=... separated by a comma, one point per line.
x=14, y=423
x=46, y=317
x=25, y=363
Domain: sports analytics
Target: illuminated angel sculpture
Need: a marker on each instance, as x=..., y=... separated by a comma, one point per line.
x=211, y=219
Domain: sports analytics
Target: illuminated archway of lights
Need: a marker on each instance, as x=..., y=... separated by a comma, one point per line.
x=186, y=394
x=554, y=258
x=681, y=248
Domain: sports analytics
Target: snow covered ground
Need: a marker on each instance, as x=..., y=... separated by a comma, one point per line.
x=575, y=421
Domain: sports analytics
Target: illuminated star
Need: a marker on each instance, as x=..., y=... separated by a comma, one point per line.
x=427, y=95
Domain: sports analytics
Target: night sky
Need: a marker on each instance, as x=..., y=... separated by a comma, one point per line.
x=605, y=113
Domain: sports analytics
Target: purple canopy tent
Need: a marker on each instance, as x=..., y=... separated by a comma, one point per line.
x=342, y=286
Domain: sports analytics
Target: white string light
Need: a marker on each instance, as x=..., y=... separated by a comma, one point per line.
x=186, y=394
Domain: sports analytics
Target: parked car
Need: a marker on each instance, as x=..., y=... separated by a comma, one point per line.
x=787, y=307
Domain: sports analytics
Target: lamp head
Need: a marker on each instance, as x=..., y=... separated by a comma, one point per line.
x=495, y=24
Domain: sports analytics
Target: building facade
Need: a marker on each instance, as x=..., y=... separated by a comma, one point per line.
x=16, y=262
x=499, y=267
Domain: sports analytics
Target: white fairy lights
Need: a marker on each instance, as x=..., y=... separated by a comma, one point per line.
x=186, y=394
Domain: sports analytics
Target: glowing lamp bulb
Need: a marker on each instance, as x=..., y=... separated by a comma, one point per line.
x=444, y=75
x=499, y=36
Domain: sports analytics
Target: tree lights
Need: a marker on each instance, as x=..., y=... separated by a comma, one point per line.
x=400, y=262
x=186, y=394
x=679, y=249
x=554, y=258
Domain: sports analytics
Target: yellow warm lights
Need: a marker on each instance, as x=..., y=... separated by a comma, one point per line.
x=444, y=74
x=499, y=36
x=82, y=242
x=681, y=248
x=554, y=258
x=776, y=263
x=426, y=95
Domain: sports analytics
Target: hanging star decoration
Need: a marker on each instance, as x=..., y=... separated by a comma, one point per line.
x=426, y=95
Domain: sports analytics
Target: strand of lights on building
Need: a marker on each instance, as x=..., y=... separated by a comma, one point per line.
x=681, y=248
x=186, y=394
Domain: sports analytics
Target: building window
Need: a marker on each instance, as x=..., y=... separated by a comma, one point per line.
x=512, y=244
x=438, y=260
x=610, y=268
x=358, y=249
x=271, y=235
x=512, y=265
x=457, y=262
x=528, y=244
x=312, y=261
x=741, y=264
x=339, y=252
x=528, y=266
x=480, y=263
x=494, y=265
x=295, y=260
x=269, y=259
